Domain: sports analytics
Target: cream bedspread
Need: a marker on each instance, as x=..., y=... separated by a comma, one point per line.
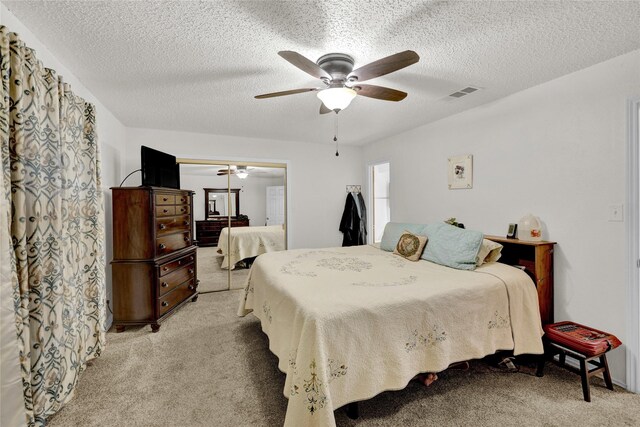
x=349, y=323
x=247, y=242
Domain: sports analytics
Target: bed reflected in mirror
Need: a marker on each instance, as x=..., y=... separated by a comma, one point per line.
x=262, y=200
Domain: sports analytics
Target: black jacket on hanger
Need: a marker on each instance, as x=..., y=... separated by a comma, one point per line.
x=354, y=224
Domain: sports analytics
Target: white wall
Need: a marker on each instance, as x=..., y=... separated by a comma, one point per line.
x=111, y=132
x=556, y=150
x=316, y=178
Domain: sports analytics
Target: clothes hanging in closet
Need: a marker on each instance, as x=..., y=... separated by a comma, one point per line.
x=354, y=221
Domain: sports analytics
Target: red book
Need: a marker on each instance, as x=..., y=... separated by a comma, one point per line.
x=580, y=338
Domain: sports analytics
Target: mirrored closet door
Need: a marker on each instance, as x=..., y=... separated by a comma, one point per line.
x=239, y=214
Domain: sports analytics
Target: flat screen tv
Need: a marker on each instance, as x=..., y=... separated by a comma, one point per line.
x=159, y=169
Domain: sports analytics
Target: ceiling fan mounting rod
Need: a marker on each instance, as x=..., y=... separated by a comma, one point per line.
x=338, y=65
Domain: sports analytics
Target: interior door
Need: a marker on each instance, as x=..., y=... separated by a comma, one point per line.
x=275, y=205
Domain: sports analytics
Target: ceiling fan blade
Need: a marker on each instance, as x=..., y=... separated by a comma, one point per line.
x=380, y=92
x=385, y=65
x=304, y=64
x=286, y=92
x=324, y=109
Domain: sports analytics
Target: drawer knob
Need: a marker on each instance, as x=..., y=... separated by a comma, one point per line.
x=185, y=223
x=164, y=199
x=186, y=239
x=191, y=287
x=191, y=258
x=183, y=200
x=162, y=226
x=191, y=271
x=165, y=210
x=162, y=246
x=164, y=303
x=165, y=268
x=182, y=209
x=164, y=284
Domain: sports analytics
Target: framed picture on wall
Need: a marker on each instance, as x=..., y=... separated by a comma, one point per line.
x=461, y=172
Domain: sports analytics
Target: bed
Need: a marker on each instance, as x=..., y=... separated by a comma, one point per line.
x=249, y=242
x=349, y=323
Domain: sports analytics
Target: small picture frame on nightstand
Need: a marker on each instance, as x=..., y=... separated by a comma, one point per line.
x=511, y=233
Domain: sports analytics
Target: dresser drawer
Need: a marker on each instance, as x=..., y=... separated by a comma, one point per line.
x=175, y=297
x=165, y=211
x=183, y=209
x=172, y=242
x=183, y=199
x=172, y=224
x=176, y=278
x=165, y=199
x=168, y=267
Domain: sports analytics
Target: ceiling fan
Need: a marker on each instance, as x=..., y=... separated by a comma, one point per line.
x=240, y=171
x=342, y=82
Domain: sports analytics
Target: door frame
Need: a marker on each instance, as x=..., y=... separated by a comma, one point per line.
x=371, y=196
x=633, y=245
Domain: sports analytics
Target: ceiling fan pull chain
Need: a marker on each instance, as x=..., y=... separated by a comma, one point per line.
x=335, y=136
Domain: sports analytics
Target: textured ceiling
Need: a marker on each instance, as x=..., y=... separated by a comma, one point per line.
x=196, y=66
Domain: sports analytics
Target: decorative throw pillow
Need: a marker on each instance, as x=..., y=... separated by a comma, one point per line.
x=489, y=252
x=410, y=246
x=393, y=231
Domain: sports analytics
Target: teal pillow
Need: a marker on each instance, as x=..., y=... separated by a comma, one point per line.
x=452, y=246
x=393, y=231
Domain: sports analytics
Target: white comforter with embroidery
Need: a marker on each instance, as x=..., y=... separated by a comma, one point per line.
x=349, y=323
x=247, y=242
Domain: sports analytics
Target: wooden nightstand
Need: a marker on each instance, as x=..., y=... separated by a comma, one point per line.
x=537, y=260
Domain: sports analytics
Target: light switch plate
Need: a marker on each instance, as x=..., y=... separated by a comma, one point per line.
x=616, y=213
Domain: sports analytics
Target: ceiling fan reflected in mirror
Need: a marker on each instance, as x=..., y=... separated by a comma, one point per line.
x=342, y=83
x=240, y=171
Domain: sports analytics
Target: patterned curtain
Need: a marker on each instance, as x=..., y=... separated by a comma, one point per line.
x=51, y=171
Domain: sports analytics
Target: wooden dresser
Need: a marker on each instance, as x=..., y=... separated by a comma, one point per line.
x=154, y=259
x=537, y=260
x=208, y=231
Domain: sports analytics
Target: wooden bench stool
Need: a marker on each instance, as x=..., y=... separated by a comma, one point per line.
x=587, y=345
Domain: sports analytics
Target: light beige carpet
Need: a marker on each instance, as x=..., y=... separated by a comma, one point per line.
x=214, y=278
x=207, y=367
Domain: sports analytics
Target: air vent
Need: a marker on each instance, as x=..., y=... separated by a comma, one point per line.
x=463, y=92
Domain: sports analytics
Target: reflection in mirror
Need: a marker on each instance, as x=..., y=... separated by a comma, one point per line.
x=257, y=219
x=217, y=202
x=262, y=200
x=197, y=178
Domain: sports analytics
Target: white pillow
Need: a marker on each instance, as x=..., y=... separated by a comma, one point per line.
x=489, y=252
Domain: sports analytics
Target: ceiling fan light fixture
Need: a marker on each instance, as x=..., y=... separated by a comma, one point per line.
x=242, y=175
x=337, y=98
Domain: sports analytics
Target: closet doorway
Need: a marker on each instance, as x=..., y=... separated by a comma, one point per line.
x=239, y=213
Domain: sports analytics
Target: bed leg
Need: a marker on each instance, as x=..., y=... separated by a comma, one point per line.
x=353, y=411
x=540, y=368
